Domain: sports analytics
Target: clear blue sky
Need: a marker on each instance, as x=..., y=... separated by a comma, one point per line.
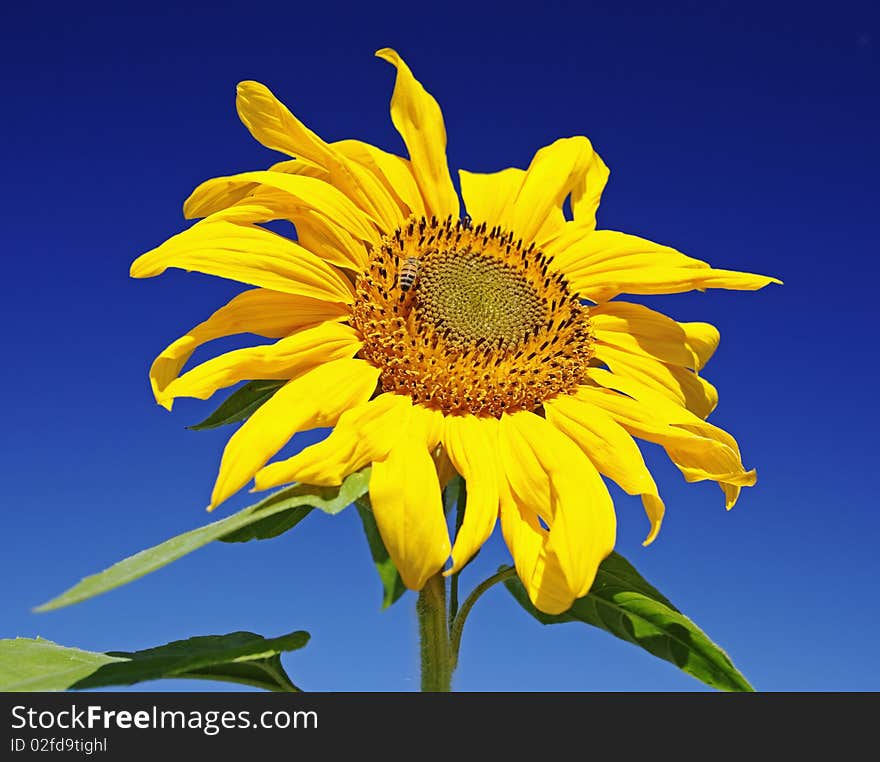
x=745, y=134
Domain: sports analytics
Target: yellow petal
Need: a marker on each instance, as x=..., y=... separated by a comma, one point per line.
x=418, y=119
x=362, y=435
x=611, y=449
x=314, y=399
x=550, y=475
x=699, y=449
x=553, y=172
x=660, y=405
x=330, y=242
x=220, y=196
x=254, y=206
x=601, y=264
x=249, y=255
x=489, y=197
x=271, y=123
x=304, y=194
x=315, y=232
x=676, y=383
x=530, y=201
x=259, y=311
x=285, y=358
x=406, y=500
x=392, y=170
x=472, y=445
x=639, y=330
x=702, y=338
x=301, y=166
x=587, y=192
x=539, y=570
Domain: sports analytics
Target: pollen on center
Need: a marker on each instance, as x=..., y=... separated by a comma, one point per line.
x=469, y=320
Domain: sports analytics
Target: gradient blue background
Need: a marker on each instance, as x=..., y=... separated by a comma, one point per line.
x=742, y=134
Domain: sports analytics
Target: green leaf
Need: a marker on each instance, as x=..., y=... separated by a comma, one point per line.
x=240, y=404
x=267, y=674
x=623, y=603
x=392, y=584
x=242, y=657
x=454, y=498
x=265, y=519
x=330, y=500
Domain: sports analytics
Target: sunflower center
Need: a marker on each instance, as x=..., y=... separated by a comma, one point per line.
x=477, y=298
x=469, y=320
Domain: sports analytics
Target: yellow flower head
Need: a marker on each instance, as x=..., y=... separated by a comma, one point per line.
x=422, y=335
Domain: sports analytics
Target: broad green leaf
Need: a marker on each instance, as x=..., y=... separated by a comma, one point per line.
x=268, y=518
x=330, y=500
x=267, y=674
x=392, y=584
x=623, y=603
x=242, y=657
x=271, y=526
x=240, y=404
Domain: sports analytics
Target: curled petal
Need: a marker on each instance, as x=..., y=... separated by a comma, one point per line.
x=285, y=358
x=640, y=330
x=600, y=264
x=674, y=382
x=611, y=449
x=699, y=449
x=489, y=197
x=472, y=445
x=586, y=192
x=315, y=231
x=418, y=119
x=547, y=474
x=362, y=435
x=554, y=171
x=393, y=171
x=249, y=255
x=272, y=124
x=258, y=311
x=537, y=567
x=406, y=501
x=302, y=192
x=530, y=201
x=313, y=399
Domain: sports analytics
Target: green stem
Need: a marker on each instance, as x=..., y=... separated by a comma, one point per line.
x=453, y=599
x=458, y=623
x=434, y=635
x=459, y=488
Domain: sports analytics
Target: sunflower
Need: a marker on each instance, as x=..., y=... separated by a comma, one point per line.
x=427, y=338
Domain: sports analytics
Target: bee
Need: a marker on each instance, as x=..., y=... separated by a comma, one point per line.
x=408, y=273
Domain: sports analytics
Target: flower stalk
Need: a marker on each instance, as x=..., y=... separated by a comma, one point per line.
x=457, y=625
x=437, y=659
x=440, y=629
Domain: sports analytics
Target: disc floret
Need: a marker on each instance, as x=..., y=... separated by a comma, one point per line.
x=470, y=320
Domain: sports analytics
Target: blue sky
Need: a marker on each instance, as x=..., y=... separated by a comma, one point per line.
x=744, y=134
